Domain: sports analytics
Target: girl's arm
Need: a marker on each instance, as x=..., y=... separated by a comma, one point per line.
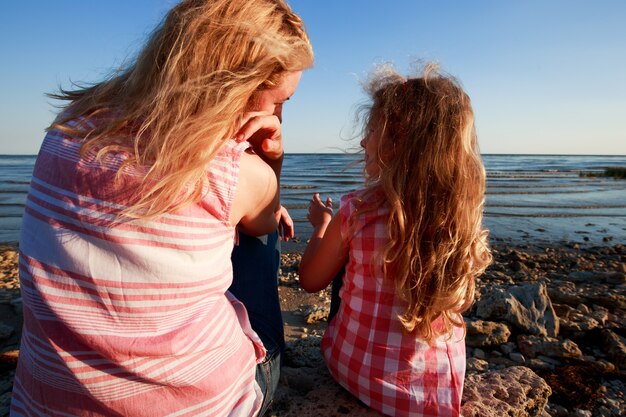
x=326, y=252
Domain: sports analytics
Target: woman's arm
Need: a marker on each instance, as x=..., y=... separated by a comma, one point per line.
x=326, y=252
x=256, y=208
x=256, y=201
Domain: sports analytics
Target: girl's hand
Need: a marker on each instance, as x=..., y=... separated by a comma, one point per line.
x=263, y=131
x=285, y=225
x=320, y=213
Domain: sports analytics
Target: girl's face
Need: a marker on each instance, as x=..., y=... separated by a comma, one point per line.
x=370, y=144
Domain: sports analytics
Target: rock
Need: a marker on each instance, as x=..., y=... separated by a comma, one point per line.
x=613, y=403
x=476, y=365
x=565, y=292
x=585, y=276
x=306, y=389
x=518, y=266
x=556, y=410
x=527, y=307
x=517, y=357
x=16, y=303
x=5, y=331
x=508, y=348
x=316, y=314
x=537, y=364
x=5, y=403
x=316, y=394
x=600, y=314
x=614, y=346
x=304, y=353
x=514, y=392
x=480, y=354
x=616, y=278
x=486, y=333
x=532, y=346
x=577, y=324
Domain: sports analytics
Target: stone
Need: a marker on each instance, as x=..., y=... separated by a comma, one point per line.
x=5, y=331
x=316, y=314
x=508, y=348
x=304, y=353
x=476, y=365
x=600, y=314
x=576, y=324
x=615, y=347
x=479, y=353
x=565, y=292
x=515, y=392
x=526, y=306
x=486, y=333
x=5, y=403
x=517, y=357
x=533, y=346
x=537, y=364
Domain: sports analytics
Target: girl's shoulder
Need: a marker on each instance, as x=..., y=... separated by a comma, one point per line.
x=363, y=200
x=361, y=208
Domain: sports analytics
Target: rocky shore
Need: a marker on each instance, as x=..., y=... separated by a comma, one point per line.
x=545, y=337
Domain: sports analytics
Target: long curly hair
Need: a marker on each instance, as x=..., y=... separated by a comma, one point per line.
x=433, y=181
x=172, y=109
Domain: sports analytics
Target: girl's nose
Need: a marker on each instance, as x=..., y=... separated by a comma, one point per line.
x=363, y=142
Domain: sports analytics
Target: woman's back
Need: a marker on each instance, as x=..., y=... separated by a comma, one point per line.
x=129, y=318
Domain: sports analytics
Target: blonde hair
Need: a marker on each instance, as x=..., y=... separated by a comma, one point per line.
x=186, y=93
x=433, y=181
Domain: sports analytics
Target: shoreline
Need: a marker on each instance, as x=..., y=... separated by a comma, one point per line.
x=576, y=367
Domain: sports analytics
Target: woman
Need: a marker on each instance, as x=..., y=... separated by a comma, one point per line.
x=131, y=216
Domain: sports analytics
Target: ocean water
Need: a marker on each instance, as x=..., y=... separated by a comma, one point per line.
x=530, y=198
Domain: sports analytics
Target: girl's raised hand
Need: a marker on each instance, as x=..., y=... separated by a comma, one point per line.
x=263, y=131
x=320, y=213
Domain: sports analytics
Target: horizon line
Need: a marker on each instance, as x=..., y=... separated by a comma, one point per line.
x=355, y=153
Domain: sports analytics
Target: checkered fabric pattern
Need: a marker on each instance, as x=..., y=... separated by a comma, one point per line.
x=364, y=346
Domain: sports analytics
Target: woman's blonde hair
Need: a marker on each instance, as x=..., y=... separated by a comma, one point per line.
x=186, y=93
x=433, y=181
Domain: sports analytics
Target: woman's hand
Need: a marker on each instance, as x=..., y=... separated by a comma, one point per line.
x=320, y=213
x=285, y=225
x=263, y=131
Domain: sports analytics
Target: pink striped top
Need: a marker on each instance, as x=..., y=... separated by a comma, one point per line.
x=134, y=318
x=364, y=346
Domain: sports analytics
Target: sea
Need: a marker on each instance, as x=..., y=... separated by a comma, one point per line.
x=531, y=199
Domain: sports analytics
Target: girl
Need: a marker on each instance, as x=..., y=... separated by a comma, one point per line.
x=129, y=225
x=412, y=244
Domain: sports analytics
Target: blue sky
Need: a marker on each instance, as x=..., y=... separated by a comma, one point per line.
x=545, y=77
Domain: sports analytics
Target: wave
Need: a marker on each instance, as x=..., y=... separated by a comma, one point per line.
x=544, y=192
x=14, y=191
x=297, y=187
x=534, y=186
x=20, y=182
x=539, y=206
x=552, y=215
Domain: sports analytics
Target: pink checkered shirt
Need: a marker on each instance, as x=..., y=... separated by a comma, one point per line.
x=364, y=347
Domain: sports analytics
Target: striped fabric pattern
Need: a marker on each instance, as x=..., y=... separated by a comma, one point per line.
x=129, y=318
x=364, y=346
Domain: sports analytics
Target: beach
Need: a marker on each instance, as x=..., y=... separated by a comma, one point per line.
x=545, y=337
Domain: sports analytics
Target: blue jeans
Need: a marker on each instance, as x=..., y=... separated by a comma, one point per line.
x=255, y=283
x=335, y=300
